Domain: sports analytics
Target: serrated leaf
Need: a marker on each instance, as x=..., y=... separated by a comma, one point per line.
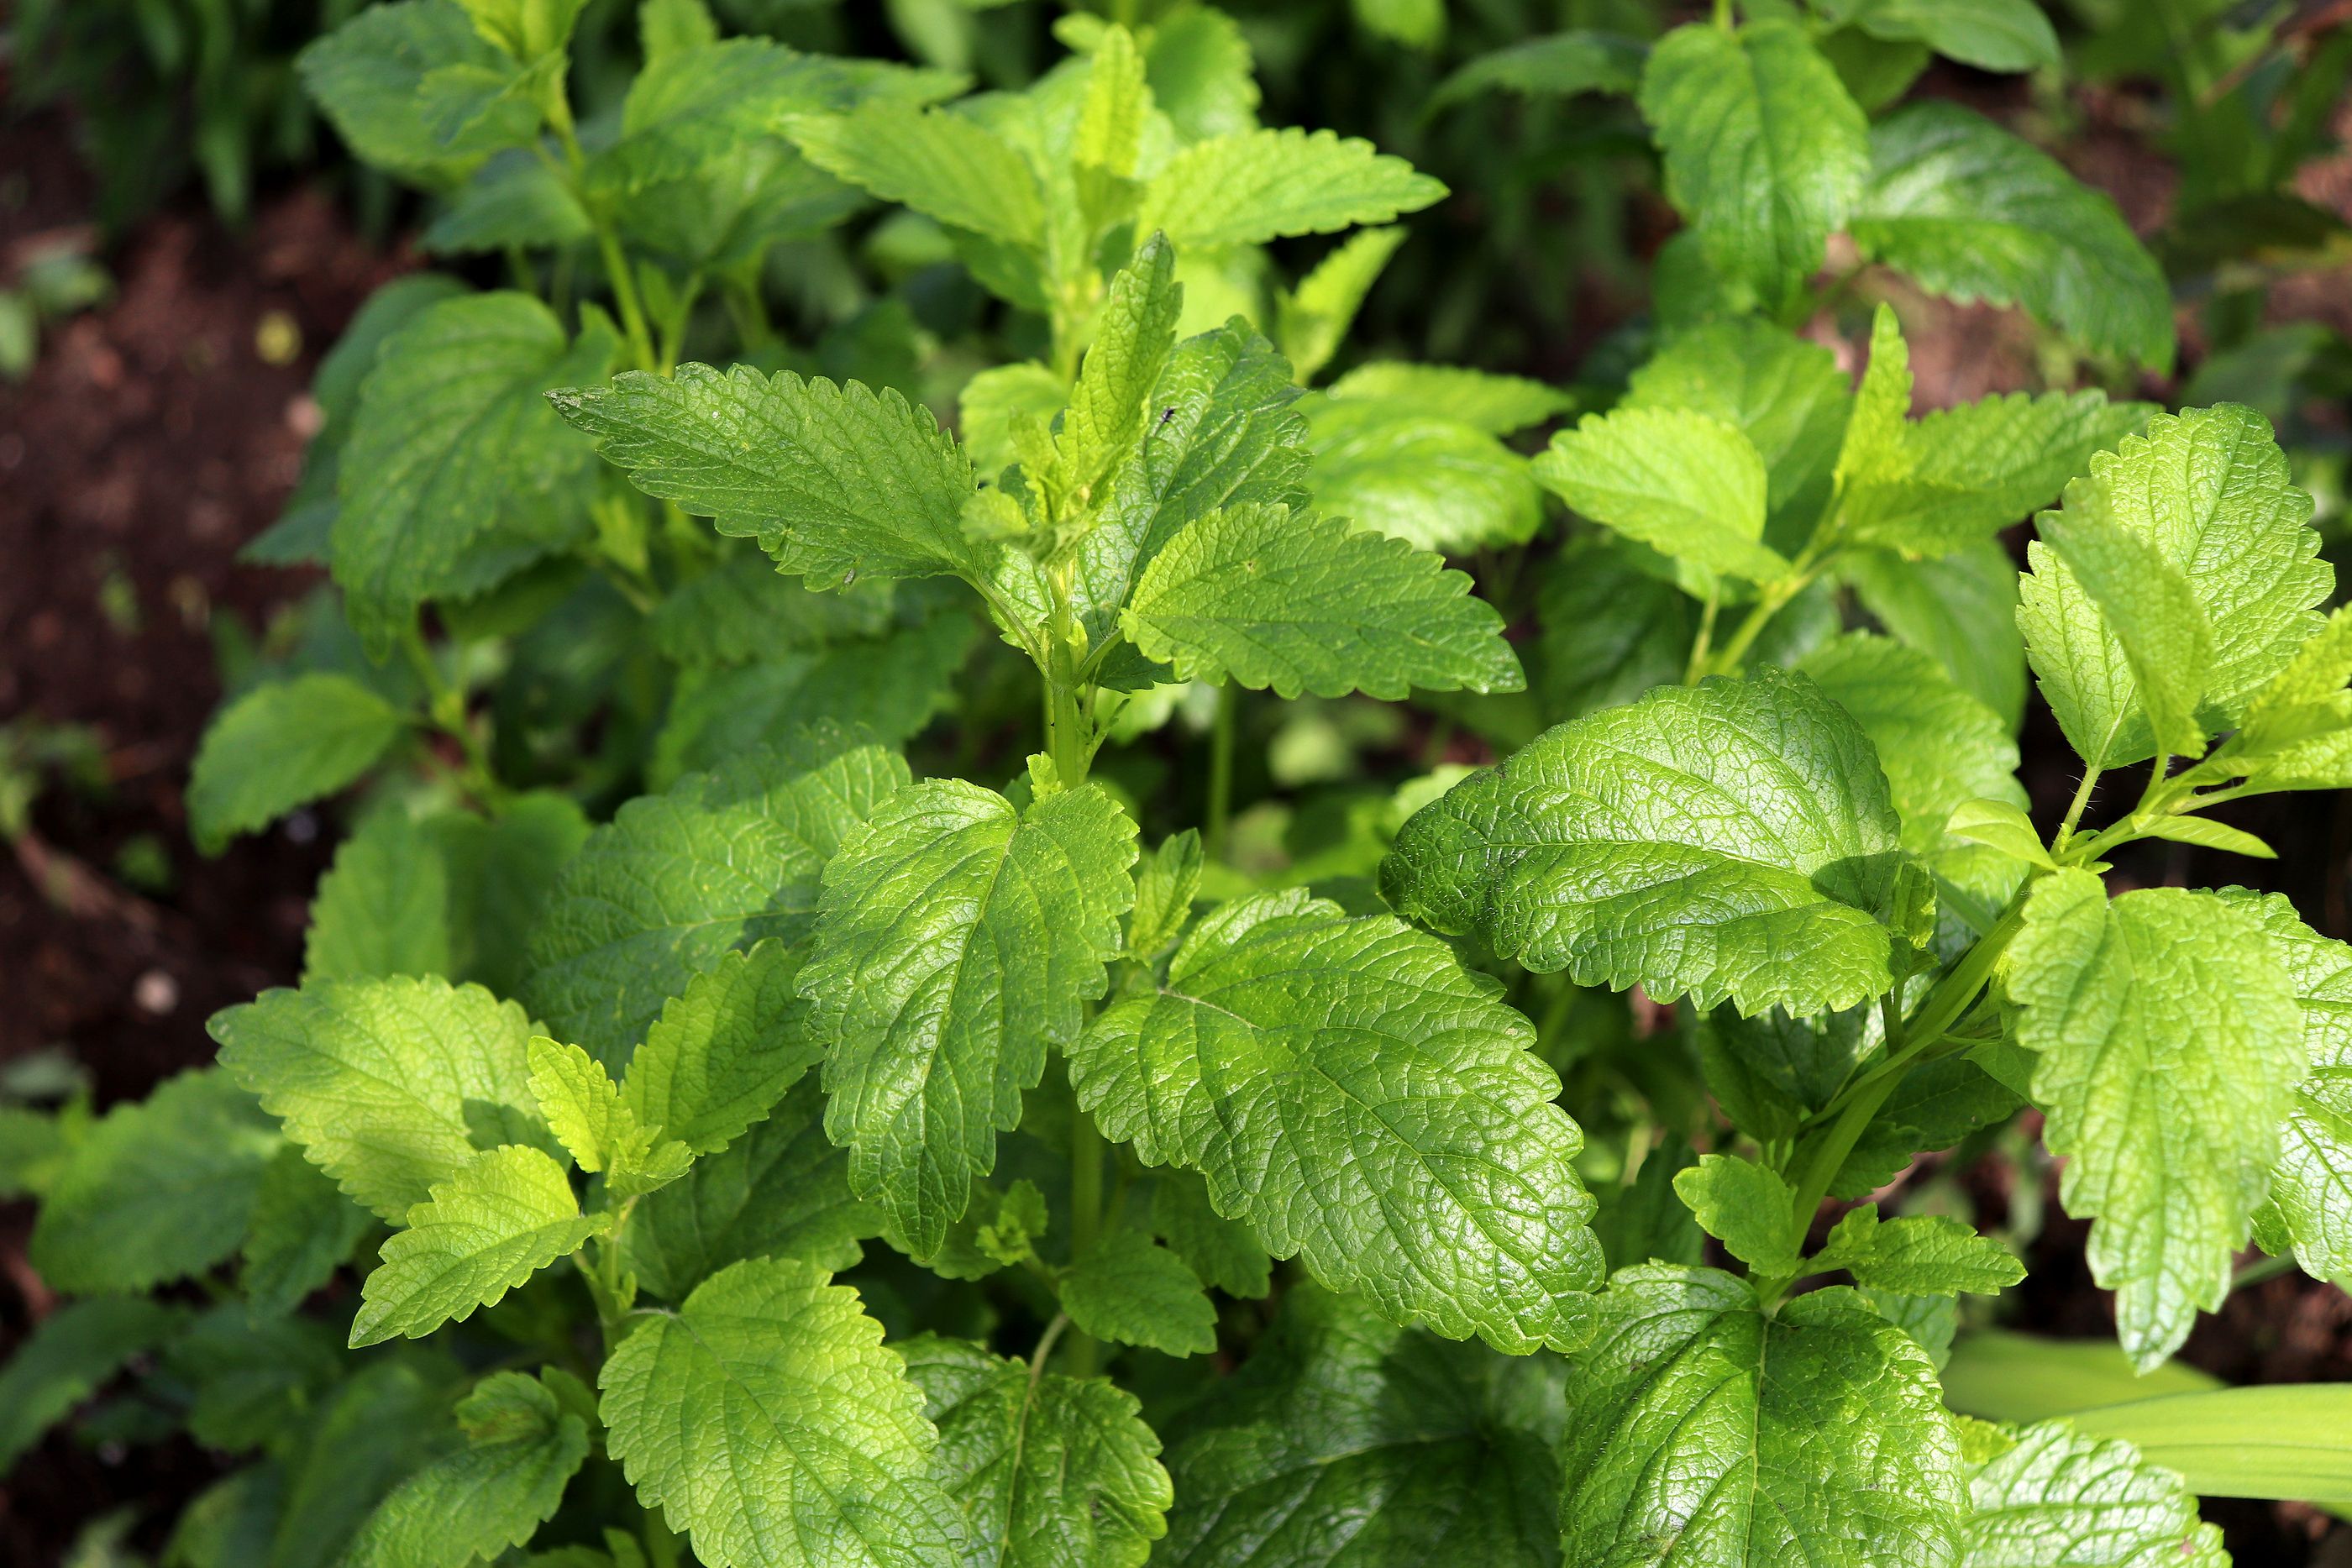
x=1764, y=152
x=1270, y=598
x=280, y=746
x=1688, y=485
x=1747, y=1208
x=2167, y=1044
x=1166, y=882
x=745, y=610
x=501, y=871
x=368, y=75
x=1253, y=186
x=600, y=1131
x=2148, y=611
x=156, y=1189
x=1127, y=1290
x=1346, y=1439
x=718, y=862
x=942, y=163
x=451, y=441
x=958, y=940
x=2053, y=1496
x=780, y=1190
x=66, y=1358
x=1696, y=842
x=1971, y=212
x=501, y=1219
x=2001, y=825
x=1197, y=62
x=1415, y=472
x=383, y=908
x=1961, y=610
x=1220, y=1251
x=1106, y=409
x=1482, y=400
x=766, y=1420
x=1814, y=1435
x=1918, y=1255
x=390, y=1085
x=1293, y=1052
x=1311, y=320
x=995, y=400
x=1050, y=1469
x=722, y=1054
x=303, y=1228
x=494, y=1493
x=1608, y=631
x=833, y=481
x=512, y=200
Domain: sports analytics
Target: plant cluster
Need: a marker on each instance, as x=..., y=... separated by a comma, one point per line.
x=768, y=1127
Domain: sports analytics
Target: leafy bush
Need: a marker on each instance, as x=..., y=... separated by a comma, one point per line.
x=679, y=955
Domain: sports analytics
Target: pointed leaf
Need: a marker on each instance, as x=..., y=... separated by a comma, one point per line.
x=1747, y=1208
x=944, y=164
x=495, y=1492
x=1126, y=1289
x=722, y=1054
x=280, y=746
x=1919, y=1255
x=1258, y=185
x=2054, y=1496
x=1686, y=485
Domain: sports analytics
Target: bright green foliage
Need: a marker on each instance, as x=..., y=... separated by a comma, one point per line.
x=1733, y=840
x=1923, y=1255
x=1346, y=1438
x=1560, y=65
x=499, y=1220
x=156, y=1190
x=717, y=861
x=943, y=163
x=1050, y=1470
x=383, y=908
x=373, y=76
x=2049, y=1496
x=1271, y=599
x=453, y=446
x=1960, y=609
x=1311, y=320
x=1409, y=466
x=1764, y=151
x=1815, y=1435
x=1992, y=34
x=1430, y=1169
x=1126, y=1289
x=602, y=1132
x=958, y=939
x=1745, y=1206
x=389, y=1085
x=282, y=746
x=1250, y=188
x=1686, y=484
x=1969, y=210
x=767, y=1421
x=522, y=1445
x=1496, y=405
x=2167, y=1042
x=1166, y=884
x=1222, y=1251
x=64, y=1360
x=725, y=1052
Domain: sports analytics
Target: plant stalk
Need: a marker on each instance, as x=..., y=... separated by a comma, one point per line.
x=1220, y=772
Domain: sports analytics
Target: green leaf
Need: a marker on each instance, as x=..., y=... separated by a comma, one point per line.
x=1257, y=186
x=390, y=1085
x=453, y=439
x=1197, y=62
x=1106, y=409
x=1220, y=1251
x=2055, y=1496
x=369, y=76
x=1961, y=610
x=280, y=746
x=497, y=1221
x=1609, y=629
x=1166, y=883
x=767, y=1420
x=1559, y=65
x=1359, y=1099
x=1816, y=1434
x=1312, y=321
x=2001, y=825
x=1270, y=598
x=378, y=1427
x=1971, y=212
x=745, y=610
x=1747, y=1208
x=596, y=1127
x=1696, y=842
x=1482, y=400
x=1345, y=1439
x=1991, y=35
x=522, y=1447
x=676, y=880
x=501, y=869
x=250, y=1379
x=1764, y=152
x=724, y=1054
x=512, y=200
x=2286, y=1441
x=944, y=164
x=2206, y=833
x=64, y=1360
x=780, y=1190
x=1643, y=1218
x=992, y=404
x=1052, y=1470
x=155, y=1190
x=383, y=908
x=303, y=1228
x=2204, y=500
x=833, y=481
x=1688, y=485
x=1922, y=1255
x=958, y=939
x=1127, y=1290
x=2168, y=1043
x=525, y=28
x=1420, y=474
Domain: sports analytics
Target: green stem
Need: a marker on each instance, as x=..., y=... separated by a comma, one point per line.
x=608, y=244
x=448, y=706
x=1701, y=643
x=1723, y=15
x=2262, y=1269
x=2075, y=809
x=1046, y=1345
x=1220, y=772
x=1771, y=600
x=1085, y=1220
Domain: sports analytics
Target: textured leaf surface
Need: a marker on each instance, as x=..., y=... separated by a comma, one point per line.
x=723, y=1053
x=1346, y=1439
x=1052, y=1470
x=601, y=1132
x=1765, y=152
x=1257, y=186
x=1416, y=473
x=958, y=939
x=303, y=1228
x=380, y=1426
x=281, y=746
x=766, y=1420
x=719, y=861
x=833, y=481
x=1220, y=1251
x=1686, y=485
x=1271, y=599
x=1961, y=610
x=62, y=1362
x=1733, y=839
x=155, y=1190
x=471, y=1505
x=368, y=76
x=1991, y=35
x=2167, y=1043
x=383, y=908
x=1971, y=212
x=1128, y=1290
x=1745, y=1206
x=389, y=1085
x=1482, y=400
x=497, y=1221
x=1358, y=1098
x=745, y=610
x=943, y=164
x=1918, y=1255
x=2055, y=1498
x=1707, y=1433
